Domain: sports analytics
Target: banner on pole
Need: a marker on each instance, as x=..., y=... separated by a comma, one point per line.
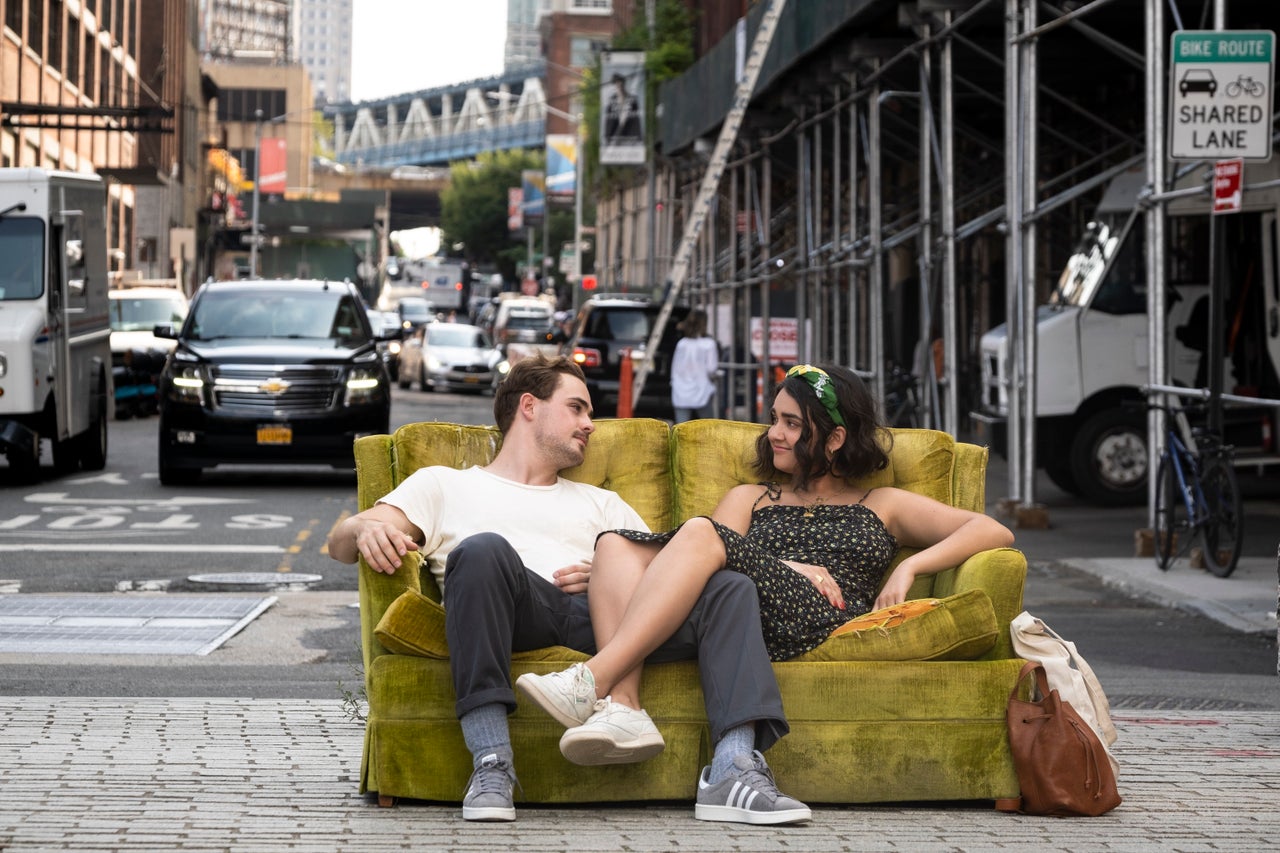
x=622, y=108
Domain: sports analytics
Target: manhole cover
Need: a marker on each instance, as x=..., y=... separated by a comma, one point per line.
x=287, y=580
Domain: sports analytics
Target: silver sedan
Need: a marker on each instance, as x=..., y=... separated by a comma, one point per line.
x=449, y=357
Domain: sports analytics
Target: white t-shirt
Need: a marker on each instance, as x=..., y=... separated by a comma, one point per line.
x=694, y=363
x=549, y=526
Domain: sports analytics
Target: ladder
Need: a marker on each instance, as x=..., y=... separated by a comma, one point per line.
x=710, y=183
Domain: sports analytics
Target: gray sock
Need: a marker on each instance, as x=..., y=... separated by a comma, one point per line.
x=485, y=731
x=739, y=740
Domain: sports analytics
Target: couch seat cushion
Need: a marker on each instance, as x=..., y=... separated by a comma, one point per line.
x=958, y=627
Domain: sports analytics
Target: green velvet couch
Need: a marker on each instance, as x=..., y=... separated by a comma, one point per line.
x=909, y=712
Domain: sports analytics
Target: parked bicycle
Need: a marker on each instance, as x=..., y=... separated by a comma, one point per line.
x=1197, y=496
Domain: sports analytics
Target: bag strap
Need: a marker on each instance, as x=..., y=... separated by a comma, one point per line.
x=1042, y=678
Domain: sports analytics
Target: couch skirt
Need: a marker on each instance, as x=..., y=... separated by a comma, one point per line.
x=861, y=732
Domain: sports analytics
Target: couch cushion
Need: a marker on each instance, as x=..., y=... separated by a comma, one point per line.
x=958, y=627
x=413, y=624
x=627, y=456
x=709, y=457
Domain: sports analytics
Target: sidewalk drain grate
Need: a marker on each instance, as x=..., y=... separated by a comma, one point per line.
x=107, y=624
x=270, y=580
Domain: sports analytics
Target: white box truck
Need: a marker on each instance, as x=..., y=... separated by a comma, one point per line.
x=1092, y=336
x=55, y=351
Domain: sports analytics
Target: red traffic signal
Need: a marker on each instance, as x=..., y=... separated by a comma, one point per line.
x=588, y=282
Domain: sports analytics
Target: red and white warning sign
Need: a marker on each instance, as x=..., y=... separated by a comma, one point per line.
x=1227, y=176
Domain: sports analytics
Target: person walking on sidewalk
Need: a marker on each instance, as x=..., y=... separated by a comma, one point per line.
x=516, y=539
x=693, y=370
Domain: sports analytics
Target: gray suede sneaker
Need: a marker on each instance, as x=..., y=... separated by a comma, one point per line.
x=488, y=794
x=747, y=795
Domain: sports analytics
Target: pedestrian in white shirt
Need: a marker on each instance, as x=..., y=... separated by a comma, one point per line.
x=693, y=370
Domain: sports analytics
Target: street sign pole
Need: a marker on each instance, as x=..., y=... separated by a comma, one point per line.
x=1220, y=109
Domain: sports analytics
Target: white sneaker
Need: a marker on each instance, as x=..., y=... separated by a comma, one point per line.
x=569, y=696
x=614, y=734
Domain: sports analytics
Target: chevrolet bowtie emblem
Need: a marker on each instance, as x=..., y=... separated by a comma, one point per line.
x=274, y=385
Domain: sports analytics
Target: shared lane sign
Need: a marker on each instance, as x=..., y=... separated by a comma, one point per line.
x=1221, y=94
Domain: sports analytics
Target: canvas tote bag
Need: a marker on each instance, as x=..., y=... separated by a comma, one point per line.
x=1068, y=673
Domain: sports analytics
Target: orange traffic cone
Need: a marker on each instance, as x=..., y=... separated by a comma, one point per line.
x=624, y=384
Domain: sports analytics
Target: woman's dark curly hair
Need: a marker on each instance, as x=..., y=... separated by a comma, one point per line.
x=866, y=444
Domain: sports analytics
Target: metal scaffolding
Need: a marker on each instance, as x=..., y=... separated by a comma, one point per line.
x=906, y=186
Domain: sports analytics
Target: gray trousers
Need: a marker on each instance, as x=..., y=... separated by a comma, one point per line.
x=495, y=606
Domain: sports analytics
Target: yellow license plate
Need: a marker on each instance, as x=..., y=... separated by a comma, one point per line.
x=275, y=434
x=471, y=379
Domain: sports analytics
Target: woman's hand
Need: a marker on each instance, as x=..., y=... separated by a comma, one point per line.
x=819, y=577
x=573, y=579
x=896, y=588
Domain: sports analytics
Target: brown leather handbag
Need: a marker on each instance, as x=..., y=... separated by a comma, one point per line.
x=1061, y=764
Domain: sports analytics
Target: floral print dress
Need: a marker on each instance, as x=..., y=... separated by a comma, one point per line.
x=849, y=541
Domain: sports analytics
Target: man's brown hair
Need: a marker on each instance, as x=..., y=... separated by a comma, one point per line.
x=537, y=375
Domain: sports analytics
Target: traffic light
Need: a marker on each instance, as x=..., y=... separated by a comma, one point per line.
x=588, y=282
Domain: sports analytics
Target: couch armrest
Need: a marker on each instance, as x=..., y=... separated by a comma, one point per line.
x=1002, y=574
x=375, y=476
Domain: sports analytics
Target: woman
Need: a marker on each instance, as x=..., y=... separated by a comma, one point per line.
x=816, y=546
x=693, y=370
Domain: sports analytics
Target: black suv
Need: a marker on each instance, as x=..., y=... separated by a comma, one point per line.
x=270, y=372
x=607, y=325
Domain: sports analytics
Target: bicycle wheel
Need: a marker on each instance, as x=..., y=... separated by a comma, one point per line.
x=1171, y=514
x=1223, y=529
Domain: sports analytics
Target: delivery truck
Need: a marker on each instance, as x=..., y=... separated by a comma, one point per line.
x=55, y=330
x=1092, y=360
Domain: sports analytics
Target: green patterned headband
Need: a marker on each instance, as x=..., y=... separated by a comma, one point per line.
x=820, y=381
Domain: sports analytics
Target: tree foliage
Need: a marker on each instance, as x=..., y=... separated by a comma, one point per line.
x=473, y=211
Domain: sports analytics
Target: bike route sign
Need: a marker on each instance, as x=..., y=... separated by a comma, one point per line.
x=1220, y=94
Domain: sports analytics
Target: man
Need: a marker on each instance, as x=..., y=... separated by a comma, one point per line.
x=622, y=115
x=516, y=540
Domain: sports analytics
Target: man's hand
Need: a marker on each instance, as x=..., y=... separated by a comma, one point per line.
x=573, y=579
x=383, y=545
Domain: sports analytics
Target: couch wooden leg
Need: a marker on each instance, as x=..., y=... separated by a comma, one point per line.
x=386, y=801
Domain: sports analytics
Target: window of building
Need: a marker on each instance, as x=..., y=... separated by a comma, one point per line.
x=583, y=50
x=90, y=55
x=35, y=27
x=53, y=56
x=243, y=104
x=105, y=95
x=13, y=16
x=73, y=50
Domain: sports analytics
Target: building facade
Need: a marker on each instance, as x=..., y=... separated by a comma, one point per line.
x=322, y=43
x=70, y=94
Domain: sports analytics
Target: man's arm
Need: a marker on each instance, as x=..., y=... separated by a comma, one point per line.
x=382, y=534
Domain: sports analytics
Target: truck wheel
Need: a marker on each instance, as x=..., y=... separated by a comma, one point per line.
x=1109, y=458
x=91, y=445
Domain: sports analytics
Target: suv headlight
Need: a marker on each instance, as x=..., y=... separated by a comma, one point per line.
x=363, y=386
x=187, y=385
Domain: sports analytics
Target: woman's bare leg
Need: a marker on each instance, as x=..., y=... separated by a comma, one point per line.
x=661, y=597
x=616, y=571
